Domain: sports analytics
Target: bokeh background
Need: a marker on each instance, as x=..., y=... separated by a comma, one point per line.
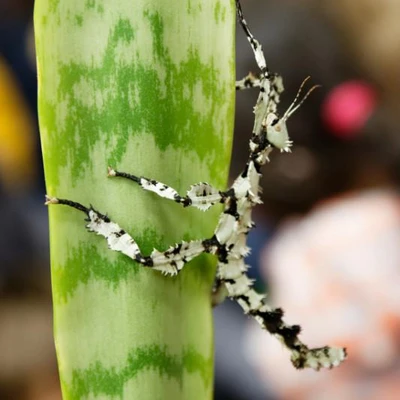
x=326, y=246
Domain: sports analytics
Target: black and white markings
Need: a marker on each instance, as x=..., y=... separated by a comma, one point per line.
x=228, y=242
x=201, y=195
x=250, y=81
x=169, y=262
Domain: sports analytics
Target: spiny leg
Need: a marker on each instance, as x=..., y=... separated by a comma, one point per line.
x=169, y=262
x=261, y=108
x=239, y=287
x=255, y=44
x=201, y=195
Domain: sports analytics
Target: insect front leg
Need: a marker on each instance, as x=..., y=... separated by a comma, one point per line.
x=201, y=195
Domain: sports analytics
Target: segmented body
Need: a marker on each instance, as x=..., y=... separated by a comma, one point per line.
x=228, y=243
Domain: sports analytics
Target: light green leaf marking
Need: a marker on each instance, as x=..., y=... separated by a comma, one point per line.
x=115, y=115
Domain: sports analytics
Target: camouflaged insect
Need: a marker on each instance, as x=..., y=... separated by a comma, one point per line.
x=228, y=243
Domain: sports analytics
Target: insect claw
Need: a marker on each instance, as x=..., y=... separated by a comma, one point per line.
x=111, y=172
x=50, y=200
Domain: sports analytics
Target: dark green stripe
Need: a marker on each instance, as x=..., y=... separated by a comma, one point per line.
x=85, y=264
x=98, y=380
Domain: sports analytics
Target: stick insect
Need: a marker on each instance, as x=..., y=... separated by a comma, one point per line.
x=228, y=243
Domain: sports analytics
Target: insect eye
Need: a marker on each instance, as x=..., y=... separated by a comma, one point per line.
x=274, y=121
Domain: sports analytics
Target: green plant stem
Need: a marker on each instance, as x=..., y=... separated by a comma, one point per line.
x=145, y=86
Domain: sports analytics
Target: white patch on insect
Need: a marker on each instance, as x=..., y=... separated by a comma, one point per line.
x=229, y=240
x=239, y=286
x=249, y=81
x=232, y=270
x=203, y=196
x=170, y=262
x=158, y=188
x=226, y=228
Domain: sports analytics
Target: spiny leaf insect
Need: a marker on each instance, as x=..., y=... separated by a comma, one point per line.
x=228, y=242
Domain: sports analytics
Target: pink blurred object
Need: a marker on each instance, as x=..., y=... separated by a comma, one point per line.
x=347, y=108
x=336, y=272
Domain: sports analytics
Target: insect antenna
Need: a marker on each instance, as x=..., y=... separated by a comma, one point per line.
x=294, y=107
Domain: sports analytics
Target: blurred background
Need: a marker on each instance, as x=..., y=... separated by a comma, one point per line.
x=326, y=246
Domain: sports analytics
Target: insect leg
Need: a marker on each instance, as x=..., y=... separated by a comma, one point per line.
x=169, y=262
x=255, y=44
x=201, y=195
x=247, y=82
